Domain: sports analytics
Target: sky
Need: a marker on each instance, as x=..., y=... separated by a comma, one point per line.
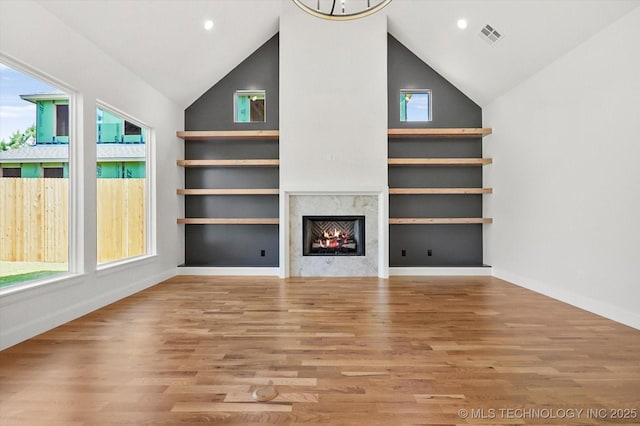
x=418, y=107
x=15, y=113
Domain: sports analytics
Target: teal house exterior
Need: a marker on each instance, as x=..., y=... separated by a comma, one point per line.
x=121, y=145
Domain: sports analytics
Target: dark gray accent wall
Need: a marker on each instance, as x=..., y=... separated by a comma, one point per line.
x=231, y=245
x=450, y=107
x=260, y=71
x=234, y=245
x=449, y=245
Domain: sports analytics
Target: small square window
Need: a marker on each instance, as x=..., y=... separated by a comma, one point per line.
x=415, y=105
x=249, y=106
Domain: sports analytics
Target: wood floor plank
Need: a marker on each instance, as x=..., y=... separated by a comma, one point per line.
x=229, y=407
x=282, y=397
x=364, y=373
x=340, y=351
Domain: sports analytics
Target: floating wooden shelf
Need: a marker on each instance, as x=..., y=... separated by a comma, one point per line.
x=238, y=191
x=418, y=191
x=194, y=135
x=440, y=133
x=438, y=221
x=228, y=221
x=439, y=161
x=228, y=163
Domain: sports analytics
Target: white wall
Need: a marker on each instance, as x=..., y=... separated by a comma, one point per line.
x=567, y=179
x=32, y=36
x=333, y=102
x=333, y=114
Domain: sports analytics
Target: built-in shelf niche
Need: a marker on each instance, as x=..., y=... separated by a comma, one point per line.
x=232, y=135
x=411, y=138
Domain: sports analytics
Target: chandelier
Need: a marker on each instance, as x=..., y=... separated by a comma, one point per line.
x=341, y=10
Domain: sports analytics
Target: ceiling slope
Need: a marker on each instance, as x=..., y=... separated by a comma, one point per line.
x=163, y=41
x=535, y=33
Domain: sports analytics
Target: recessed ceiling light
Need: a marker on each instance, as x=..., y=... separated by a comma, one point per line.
x=208, y=25
x=462, y=24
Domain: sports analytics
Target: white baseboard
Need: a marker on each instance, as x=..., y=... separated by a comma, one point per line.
x=29, y=329
x=594, y=306
x=441, y=271
x=215, y=270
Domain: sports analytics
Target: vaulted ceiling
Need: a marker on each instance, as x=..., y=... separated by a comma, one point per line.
x=163, y=41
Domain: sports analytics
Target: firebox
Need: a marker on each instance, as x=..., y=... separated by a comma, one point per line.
x=333, y=236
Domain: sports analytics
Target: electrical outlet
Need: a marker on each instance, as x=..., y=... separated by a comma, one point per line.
x=404, y=252
x=429, y=252
x=263, y=253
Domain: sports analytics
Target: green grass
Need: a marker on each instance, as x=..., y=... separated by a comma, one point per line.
x=19, y=272
x=29, y=276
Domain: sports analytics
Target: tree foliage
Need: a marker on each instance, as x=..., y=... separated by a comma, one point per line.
x=19, y=139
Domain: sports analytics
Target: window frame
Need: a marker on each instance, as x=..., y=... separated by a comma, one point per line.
x=75, y=222
x=248, y=92
x=404, y=92
x=57, y=127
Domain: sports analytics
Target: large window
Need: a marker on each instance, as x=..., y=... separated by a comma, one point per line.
x=122, y=187
x=34, y=209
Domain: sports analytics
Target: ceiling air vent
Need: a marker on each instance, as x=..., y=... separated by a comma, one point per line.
x=490, y=35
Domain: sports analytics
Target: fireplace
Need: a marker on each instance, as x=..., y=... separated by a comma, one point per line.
x=333, y=236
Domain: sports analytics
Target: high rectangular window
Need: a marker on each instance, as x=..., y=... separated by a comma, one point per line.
x=62, y=120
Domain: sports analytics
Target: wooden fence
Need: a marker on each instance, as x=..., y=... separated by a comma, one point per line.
x=34, y=219
x=121, y=219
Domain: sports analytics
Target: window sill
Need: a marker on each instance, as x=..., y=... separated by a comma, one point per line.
x=15, y=293
x=121, y=265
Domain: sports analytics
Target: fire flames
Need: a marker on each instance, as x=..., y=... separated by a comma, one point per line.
x=335, y=240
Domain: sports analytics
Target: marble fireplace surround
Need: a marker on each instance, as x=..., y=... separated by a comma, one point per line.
x=371, y=204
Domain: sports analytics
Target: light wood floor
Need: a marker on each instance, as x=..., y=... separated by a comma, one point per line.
x=404, y=351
